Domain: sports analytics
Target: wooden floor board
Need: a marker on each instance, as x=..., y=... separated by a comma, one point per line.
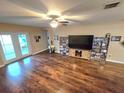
x=54, y=73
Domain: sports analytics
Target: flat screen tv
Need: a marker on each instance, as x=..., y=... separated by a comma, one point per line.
x=81, y=41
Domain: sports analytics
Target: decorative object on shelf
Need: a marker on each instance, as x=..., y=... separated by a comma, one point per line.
x=64, y=49
x=116, y=38
x=37, y=38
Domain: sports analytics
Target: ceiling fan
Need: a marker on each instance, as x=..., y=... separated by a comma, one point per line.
x=56, y=20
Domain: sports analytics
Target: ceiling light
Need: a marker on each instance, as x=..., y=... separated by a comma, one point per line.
x=54, y=24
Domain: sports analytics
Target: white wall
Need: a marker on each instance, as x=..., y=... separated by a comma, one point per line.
x=42, y=44
x=116, y=50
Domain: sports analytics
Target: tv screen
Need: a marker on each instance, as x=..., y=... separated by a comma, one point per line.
x=81, y=41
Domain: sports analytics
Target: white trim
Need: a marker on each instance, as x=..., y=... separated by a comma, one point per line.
x=114, y=61
x=2, y=65
x=40, y=51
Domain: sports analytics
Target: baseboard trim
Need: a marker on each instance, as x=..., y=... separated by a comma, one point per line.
x=40, y=51
x=2, y=65
x=114, y=61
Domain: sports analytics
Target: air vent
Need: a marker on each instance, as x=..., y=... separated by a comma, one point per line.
x=112, y=5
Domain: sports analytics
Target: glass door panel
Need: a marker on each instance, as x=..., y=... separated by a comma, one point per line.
x=23, y=44
x=7, y=46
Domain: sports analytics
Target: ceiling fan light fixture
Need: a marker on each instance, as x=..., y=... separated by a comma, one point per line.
x=56, y=13
x=54, y=24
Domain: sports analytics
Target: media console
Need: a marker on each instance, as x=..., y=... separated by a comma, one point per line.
x=79, y=53
x=85, y=54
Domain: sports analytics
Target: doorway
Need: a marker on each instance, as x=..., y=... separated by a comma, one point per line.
x=14, y=46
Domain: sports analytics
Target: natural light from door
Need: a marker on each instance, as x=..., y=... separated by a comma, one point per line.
x=23, y=44
x=7, y=45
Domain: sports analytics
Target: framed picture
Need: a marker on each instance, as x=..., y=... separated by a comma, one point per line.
x=37, y=38
x=116, y=38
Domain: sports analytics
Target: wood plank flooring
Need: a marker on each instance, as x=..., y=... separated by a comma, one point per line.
x=54, y=73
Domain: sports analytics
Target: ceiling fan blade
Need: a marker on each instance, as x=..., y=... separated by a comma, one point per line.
x=76, y=18
x=19, y=16
x=33, y=5
x=22, y=18
x=36, y=16
x=64, y=22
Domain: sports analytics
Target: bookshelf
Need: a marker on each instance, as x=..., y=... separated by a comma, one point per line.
x=99, y=48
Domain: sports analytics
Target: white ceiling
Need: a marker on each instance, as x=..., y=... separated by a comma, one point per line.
x=32, y=12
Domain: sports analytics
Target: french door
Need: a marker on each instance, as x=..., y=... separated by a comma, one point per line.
x=23, y=42
x=14, y=46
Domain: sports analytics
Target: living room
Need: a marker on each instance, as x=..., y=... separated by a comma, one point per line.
x=61, y=46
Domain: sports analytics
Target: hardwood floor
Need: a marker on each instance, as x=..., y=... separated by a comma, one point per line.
x=46, y=73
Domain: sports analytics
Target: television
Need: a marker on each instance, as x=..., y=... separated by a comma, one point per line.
x=81, y=41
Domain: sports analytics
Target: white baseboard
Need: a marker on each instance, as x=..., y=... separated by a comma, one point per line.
x=114, y=61
x=2, y=65
x=40, y=51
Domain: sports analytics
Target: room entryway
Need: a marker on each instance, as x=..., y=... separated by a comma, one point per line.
x=14, y=46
